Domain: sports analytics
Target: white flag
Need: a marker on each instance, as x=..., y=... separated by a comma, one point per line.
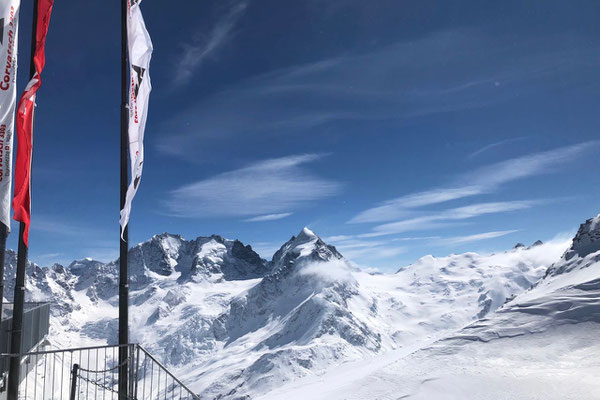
x=140, y=52
x=9, y=28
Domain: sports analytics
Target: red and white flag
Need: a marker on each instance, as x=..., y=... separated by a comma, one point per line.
x=9, y=30
x=140, y=53
x=25, y=110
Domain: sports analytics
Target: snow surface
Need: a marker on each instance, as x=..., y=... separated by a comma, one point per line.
x=559, y=364
x=307, y=324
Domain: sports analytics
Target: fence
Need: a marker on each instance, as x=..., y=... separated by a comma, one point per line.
x=93, y=372
x=36, y=322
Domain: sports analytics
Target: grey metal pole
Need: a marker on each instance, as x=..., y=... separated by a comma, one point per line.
x=124, y=240
x=74, y=380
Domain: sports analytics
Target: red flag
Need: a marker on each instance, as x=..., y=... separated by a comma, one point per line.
x=22, y=195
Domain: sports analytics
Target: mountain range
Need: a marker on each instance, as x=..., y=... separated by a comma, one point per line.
x=309, y=324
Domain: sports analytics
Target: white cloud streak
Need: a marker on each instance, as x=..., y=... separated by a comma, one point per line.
x=356, y=249
x=400, y=207
x=264, y=188
x=483, y=180
x=448, y=217
x=534, y=164
x=268, y=217
x=475, y=238
x=496, y=144
x=198, y=52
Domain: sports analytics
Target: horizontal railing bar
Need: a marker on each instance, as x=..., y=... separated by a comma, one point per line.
x=35, y=353
x=168, y=372
x=33, y=306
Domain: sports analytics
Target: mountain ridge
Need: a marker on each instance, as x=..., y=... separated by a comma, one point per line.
x=235, y=325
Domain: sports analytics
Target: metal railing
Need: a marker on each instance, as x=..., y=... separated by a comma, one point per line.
x=36, y=324
x=93, y=373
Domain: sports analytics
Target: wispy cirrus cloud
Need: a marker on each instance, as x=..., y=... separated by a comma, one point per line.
x=534, y=164
x=264, y=189
x=206, y=46
x=268, y=217
x=358, y=249
x=496, y=144
x=456, y=240
x=400, y=207
x=484, y=180
x=448, y=218
x=396, y=82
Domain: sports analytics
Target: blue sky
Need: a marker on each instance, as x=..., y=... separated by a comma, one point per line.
x=393, y=129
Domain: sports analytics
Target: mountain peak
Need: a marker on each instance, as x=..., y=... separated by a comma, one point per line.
x=305, y=235
x=166, y=235
x=307, y=245
x=84, y=263
x=305, y=232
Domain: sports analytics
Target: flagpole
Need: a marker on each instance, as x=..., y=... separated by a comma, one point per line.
x=124, y=239
x=22, y=254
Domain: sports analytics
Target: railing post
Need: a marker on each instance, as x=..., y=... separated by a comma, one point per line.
x=137, y=368
x=74, y=380
x=131, y=363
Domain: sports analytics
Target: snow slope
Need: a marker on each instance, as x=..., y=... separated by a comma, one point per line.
x=558, y=364
x=569, y=293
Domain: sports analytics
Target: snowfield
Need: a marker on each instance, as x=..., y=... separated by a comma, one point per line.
x=522, y=324
x=559, y=364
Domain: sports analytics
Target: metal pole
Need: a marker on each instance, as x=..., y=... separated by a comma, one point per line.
x=17, y=319
x=3, y=237
x=19, y=296
x=124, y=245
x=74, y=381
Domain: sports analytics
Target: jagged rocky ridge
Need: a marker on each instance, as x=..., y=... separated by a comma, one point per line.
x=234, y=325
x=164, y=259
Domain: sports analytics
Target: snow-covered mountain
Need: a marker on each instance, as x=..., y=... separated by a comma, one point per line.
x=542, y=343
x=235, y=326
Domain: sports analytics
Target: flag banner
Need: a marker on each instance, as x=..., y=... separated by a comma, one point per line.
x=25, y=110
x=9, y=30
x=140, y=53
